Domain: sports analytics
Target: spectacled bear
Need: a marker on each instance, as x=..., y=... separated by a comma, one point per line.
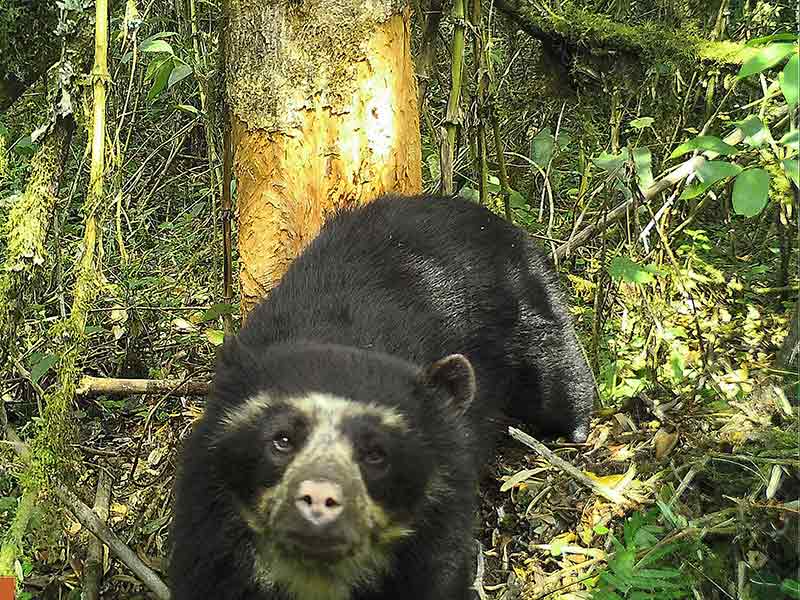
x=339, y=453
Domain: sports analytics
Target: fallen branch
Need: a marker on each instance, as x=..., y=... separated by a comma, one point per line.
x=96, y=386
x=93, y=571
x=87, y=517
x=555, y=460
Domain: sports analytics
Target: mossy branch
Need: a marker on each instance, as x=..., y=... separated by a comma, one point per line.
x=29, y=223
x=650, y=41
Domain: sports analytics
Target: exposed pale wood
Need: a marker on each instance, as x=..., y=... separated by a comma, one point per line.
x=96, y=386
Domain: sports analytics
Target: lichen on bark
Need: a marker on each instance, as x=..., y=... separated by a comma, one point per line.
x=281, y=56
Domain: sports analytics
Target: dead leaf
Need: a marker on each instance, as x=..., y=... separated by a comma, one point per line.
x=664, y=442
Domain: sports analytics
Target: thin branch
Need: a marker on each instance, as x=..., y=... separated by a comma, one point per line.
x=93, y=571
x=555, y=460
x=96, y=386
x=87, y=517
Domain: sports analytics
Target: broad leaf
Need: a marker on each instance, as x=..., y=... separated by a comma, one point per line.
x=42, y=366
x=158, y=36
x=625, y=269
x=611, y=162
x=154, y=66
x=791, y=80
x=792, y=168
x=517, y=200
x=156, y=46
x=792, y=139
x=470, y=193
x=181, y=71
x=791, y=587
x=775, y=37
x=755, y=132
x=767, y=57
x=542, y=147
x=217, y=310
x=642, y=122
x=643, y=161
x=750, y=192
x=704, y=142
x=710, y=172
x=215, y=336
x=160, y=79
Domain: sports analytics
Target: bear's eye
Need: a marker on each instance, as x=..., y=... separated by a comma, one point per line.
x=375, y=456
x=283, y=443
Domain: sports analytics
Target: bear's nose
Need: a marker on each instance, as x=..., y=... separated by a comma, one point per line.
x=319, y=502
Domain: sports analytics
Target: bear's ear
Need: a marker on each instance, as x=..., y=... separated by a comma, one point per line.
x=455, y=376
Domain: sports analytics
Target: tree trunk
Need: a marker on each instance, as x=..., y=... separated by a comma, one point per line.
x=323, y=108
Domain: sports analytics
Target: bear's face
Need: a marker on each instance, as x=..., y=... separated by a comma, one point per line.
x=332, y=478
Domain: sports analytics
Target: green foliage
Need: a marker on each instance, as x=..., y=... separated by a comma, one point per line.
x=166, y=69
x=626, y=270
x=704, y=142
x=750, y=192
x=766, y=58
x=640, y=568
x=790, y=84
x=709, y=173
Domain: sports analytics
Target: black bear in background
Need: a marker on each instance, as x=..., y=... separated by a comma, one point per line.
x=339, y=454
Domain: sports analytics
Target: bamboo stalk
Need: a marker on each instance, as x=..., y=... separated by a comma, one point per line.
x=477, y=52
x=453, y=117
x=501, y=163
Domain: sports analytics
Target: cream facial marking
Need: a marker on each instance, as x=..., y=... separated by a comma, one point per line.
x=317, y=406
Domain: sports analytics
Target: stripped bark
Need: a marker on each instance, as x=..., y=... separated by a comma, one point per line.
x=323, y=106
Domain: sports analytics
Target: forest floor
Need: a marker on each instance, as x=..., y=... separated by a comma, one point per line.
x=696, y=484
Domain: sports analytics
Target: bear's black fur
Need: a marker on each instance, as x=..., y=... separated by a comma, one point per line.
x=383, y=292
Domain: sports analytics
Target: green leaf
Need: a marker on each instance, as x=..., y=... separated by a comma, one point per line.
x=625, y=269
x=517, y=200
x=181, y=71
x=750, y=192
x=188, y=108
x=156, y=46
x=710, y=172
x=677, y=363
x=704, y=142
x=776, y=37
x=217, y=310
x=154, y=66
x=160, y=79
x=25, y=146
x=470, y=193
x=42, y=366
x=643, y=161
x=158, y=36
x=791, y=80
x=755, y=132
x=611, y=162
x=542, y=147
x=215, y=336
x=767, y=57
x=642, y=122
x=792, y=168
x=792, y=139
x=791, y=587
